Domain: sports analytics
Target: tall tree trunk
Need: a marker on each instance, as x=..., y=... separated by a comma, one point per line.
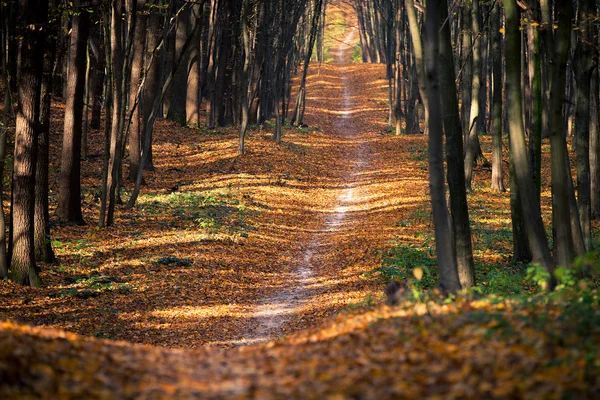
x=449, y=280
x=177, y=104
x=97, y=74
x=595, y=145
x=301, y=97
x=563, y=243
x=192, y=103
x=137, y=67
x=41, y=240
x=583, y=74
x=454, y=156
x=32, y=28
x=497, y=172
x=245, y=72
x=472, y=134
x=534, y=225
x=69, y=201
x=417, y=48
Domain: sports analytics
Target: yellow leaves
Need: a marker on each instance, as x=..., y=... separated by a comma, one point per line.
x=418, y=273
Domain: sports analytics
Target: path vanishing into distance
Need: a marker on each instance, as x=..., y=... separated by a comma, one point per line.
x=365, y=189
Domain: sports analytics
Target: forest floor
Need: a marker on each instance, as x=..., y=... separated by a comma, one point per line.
x=258, y=276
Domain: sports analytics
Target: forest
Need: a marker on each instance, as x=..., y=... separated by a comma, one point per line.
x=312, y=199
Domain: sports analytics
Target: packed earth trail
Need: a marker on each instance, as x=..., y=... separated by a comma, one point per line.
x=276, y=312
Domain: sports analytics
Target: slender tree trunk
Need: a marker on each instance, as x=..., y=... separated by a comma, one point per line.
x=534, y=225
x=33, y=15
x=69, y=201
x=583, y=75
x=41, y=241
x=192, y=104
x=245, y=71
x=497, y=172
x=417, y=48
x=449, y=280
x=472, y=134
x=563, y=243
x=301, y=98
x=595, y=146
x=454, y=156
x=137, y=67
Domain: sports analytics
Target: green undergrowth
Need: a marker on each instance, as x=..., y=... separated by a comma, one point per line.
x=500, y=278
x=214, y=212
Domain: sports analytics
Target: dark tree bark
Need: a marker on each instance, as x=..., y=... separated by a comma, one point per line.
x=454, y=156
x=449, y=280
x=32, y=26
x=137, y=67
x=497, y=172
x=69, y=201
x=97, y=74
x=534, y=225
x=472, y=142
x=177, y=103
x=42, y=244
x=583, y=73
x=563, y=242
x=193, y=97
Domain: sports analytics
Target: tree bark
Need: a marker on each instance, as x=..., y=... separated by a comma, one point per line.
x=69, y=201
x=497, y=172
x=137, y=67
x=33, y=16
x=583, y=74
x=534, y=225
x=454, y=156
x=41, y=241
x=449, y=280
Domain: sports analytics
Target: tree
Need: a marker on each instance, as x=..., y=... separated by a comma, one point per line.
x=463, y=248
x=449, y=280
x=583, y=67
x=69, y=201
x=32, y=29
x=41, y=240
x=497, y=181
x=534, y=225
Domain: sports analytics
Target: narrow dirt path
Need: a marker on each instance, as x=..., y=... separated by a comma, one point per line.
x=339, y=218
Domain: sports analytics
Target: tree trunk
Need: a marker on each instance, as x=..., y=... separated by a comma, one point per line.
x=534, y=225
x=69, y=201
x=449, y=280
x=595, y=146
x=417, y=48
x=454, y=157
x=583, y=74
x=137, y=66
x=563, y=243
x=497, y=172
x=33, y=15
x=41, y=241
x=472, y=134
x=192, y=103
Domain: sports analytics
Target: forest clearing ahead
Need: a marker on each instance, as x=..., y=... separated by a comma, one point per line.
x=262, y=275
